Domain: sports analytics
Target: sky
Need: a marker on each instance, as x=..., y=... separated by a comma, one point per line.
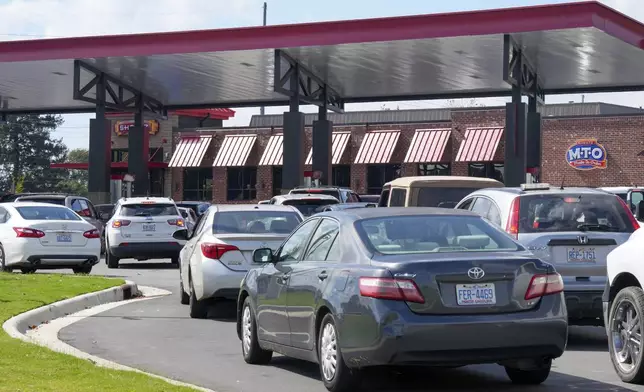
x=33, y=19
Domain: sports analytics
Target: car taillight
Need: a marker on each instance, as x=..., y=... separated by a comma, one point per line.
x=393, y=289
x=541, y=285
x=92, y=234
x=176, y=222
x=215, y=251
x=512, y=227
x=25, y=232
x=120, y=222
x=629, y=213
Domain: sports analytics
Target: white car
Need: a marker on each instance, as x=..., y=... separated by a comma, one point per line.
x=220, y=251
x=623, y=304
x=44, y=236
x=189, y=216
x=305, y=202
x=143, y=228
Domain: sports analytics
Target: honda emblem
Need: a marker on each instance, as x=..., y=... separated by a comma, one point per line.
x=582, y=239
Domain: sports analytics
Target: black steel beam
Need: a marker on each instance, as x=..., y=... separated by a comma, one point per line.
x=114, y=92
x=518, y=71
x=310, y=88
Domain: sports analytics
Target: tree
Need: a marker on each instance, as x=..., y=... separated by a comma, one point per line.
x=76, y=180
x=27, y=149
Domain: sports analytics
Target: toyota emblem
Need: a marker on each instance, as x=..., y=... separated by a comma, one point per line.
x=582, y=239
x=476, y=273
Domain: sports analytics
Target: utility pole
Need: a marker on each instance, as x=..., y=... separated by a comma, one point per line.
x=261, y=109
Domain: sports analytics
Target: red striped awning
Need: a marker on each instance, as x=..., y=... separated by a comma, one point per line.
x=273, y=153
x=428, y=146
x=190, y=151
x=339, y=142
x=480, y=145
x=377, y=147
x=235, y=150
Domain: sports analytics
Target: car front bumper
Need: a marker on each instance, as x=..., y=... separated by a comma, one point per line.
x=146, y=250
x=399, y=337
x=584, y=307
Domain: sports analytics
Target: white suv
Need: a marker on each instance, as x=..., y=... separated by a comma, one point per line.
x=143, y=228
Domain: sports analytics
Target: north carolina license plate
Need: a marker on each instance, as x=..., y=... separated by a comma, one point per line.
x=64, y=238
x=475, y=294
x=149, y=227
x=581, y=255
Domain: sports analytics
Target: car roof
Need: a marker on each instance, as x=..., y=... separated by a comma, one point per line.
x=251, y=207
x=619, y=189
x=31, y=204
x=139, y=200
x=383, y=212
x=299, y=188
x=192, y=202
x=44, y=196
x=552, y=190
x=305, y=196
x=452, y=181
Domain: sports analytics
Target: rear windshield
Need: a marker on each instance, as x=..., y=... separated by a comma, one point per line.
x=432, y=233
x=255, y=222
x=572, y=212
x=47, y=213
x=308, y=207
x=157, y=209
x=314, y=191
x=58, y=201
x=442, y=197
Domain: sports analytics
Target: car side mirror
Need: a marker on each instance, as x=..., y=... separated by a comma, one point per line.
x=181, y=235
x=263, y=255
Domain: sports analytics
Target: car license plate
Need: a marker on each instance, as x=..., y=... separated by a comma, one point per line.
x=149, y=227
x=581, y=255
x=475, y=294
x=64, y=238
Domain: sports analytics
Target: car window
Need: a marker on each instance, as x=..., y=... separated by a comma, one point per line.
x=4, y=215
x=398, y=197
x=293, y=248
x=334, y=251
x=308, y=206
x=547, y=213
x=432, y=233
x=494, y=215
x=636, y=198
x=466, y=204
x=481, y=206
x=84, y=208
x=446, y=197
x=317, y=191
x=255, y=222
x=322, y=240
x=200, y=223
x=47, y=213
x=153, y=209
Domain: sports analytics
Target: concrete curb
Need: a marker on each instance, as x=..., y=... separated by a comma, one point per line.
x=40, y=326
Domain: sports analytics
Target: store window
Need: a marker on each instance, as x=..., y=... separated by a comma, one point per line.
x=378, y=175
x=434, y=169
x=341, y=175
x=119, y=155
x=277, y=180
x=487, y=170
x=197, y=184
x=242, y=183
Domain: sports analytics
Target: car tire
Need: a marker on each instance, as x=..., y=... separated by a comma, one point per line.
x=342, y=378
x=26, y=270
x=185, y=297
x=198, y=309
x=82, y=270
x=3, y=261
x=175, y=261
x=628, y=303
x=529, y=377
x=111, y=261
x=253, y=353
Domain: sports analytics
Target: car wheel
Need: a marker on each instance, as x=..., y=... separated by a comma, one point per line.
x=198, y=309
x=82, y=270
x=175, y=261
x=251, y=349
x=3, y=262
x=185, y=297
x=531, y=376
x=336, y=376
x=625, y=334
x=111, y=261
x=27, y=270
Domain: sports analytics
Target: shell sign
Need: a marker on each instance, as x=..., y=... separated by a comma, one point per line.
x=122, y=128
x=586, y=154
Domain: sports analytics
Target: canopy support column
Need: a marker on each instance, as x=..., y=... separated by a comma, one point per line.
x=293, y=148
x=322, y=145
x=100, y=151
x=139, y=152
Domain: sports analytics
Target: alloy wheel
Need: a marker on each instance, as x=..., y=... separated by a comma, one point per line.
x=627, y=335
x=246, y=329
x=329, y=352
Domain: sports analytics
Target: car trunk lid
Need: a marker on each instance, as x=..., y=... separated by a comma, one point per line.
x=240, y=258
x=62, y=233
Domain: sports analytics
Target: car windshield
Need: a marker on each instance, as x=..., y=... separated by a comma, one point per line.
x=156, y=209
x=47, y=213
x=50, y=200
x=446, y=197
x=547, y=213
x=308, y=207
x=431, y=234
x=255, y=222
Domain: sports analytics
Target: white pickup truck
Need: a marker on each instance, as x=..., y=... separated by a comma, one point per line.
x=633, y=196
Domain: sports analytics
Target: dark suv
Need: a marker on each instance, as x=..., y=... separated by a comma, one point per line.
x=345, y=195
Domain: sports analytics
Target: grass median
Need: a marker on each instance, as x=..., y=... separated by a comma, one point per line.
x=27, y=367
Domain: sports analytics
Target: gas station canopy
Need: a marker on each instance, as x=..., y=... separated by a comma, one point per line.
x=579, y=47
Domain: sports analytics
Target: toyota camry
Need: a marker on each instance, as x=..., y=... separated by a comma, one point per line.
x=372, y=287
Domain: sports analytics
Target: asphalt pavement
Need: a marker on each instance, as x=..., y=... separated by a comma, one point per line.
x=158, y=336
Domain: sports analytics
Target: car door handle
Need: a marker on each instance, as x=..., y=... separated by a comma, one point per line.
x=323, y=275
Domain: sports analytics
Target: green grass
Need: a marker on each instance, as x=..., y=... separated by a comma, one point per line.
x=25, y=367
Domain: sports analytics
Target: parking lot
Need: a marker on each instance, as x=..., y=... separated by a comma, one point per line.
x=158, y=336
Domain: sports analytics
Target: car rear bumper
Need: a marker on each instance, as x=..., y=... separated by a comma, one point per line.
x=404, y=338
x=146, y=250
x=49, y=261
x=585, y=307
x=219, y=281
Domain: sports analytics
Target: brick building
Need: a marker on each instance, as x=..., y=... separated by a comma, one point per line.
x=193, y=158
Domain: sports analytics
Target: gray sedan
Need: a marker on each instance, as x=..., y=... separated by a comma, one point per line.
x=369, y=287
